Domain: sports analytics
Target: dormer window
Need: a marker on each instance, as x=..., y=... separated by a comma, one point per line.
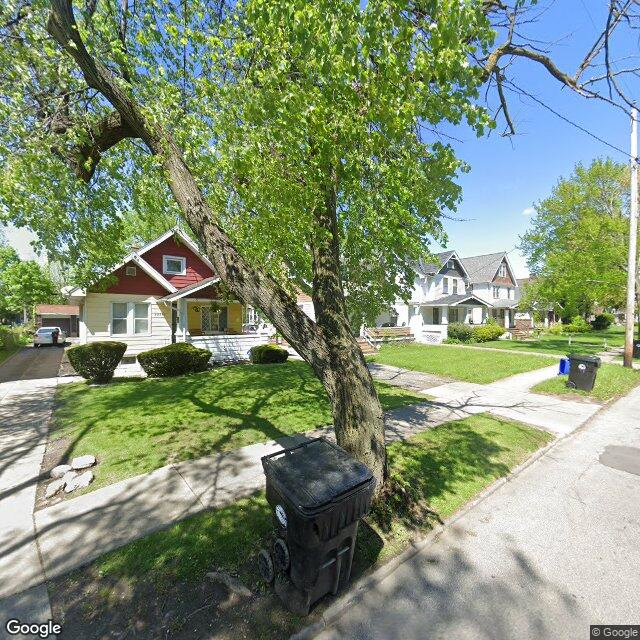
x=451, y=264
x=131, y=271
x=502, y=271
x=174, y=265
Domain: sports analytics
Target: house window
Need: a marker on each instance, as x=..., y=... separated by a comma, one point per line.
x=455, y=285
x=174, y=265
x=445, y=285
x=502, y=271
x=210, y=320
x=119, y=314
x=511, y=294
x=141, y=317
x=454, y=316
x=129, y=318
x=496, y=292
x=130, y=271
x=451, y=264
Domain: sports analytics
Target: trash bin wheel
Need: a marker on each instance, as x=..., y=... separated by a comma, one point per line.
x=265, y=566
x=571, y=385
x=281, y=554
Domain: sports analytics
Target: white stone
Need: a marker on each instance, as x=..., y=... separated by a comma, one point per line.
x=79, y=482
x=54, y=487
x=60, y=470
x=69, y=476
x=83, y=462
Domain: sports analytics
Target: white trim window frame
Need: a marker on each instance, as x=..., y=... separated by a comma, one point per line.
x=496, y=292
x=445, y=285
x=173, y=272
x=455, y=286
x=132, y=321
x=502, y=270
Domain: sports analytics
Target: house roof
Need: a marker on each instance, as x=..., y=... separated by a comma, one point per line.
x=484, y=268
x=455, y=299
x=431, y=268
x=505, y=304
x=57, y=310
x=192, y=288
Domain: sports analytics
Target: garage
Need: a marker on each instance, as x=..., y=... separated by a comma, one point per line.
x=64, y=316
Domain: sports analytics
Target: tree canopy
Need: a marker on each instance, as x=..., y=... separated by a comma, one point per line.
x=576, y=244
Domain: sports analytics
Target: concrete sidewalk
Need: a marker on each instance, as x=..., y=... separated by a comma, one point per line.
x=541, y=558
x=26, y=400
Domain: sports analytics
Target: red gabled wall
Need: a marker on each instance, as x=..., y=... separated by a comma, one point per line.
x=504, y=279
x=196, y=269
x=141, y=283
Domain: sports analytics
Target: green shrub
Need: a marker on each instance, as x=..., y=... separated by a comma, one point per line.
x=488, y=332
x=578, y=325
x=97, y=361
x=459, y=331
x=556, y=329
x=268, y=354
x=174, y=360
x=603, y=321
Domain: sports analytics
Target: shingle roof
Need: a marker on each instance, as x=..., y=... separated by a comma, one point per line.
x=483, y=268
x=430, y=268
x=454, y=299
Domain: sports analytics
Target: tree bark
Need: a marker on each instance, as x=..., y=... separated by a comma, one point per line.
x=329, y=345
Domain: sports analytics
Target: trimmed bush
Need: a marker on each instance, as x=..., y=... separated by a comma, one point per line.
x=174, y=360
x=268, y=354
x=97, y=361
x=488, y=332
x=556, y=329
x=460, y=332
x=578, y=325
x=603, y=321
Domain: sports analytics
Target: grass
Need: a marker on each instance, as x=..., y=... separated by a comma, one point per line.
x=470, y=365
x=435, y=472
x=135, y=426
x=612, y=381
x=585, y=343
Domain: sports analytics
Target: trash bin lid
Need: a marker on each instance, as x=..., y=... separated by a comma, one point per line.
x=584, y=358
x=315, y=473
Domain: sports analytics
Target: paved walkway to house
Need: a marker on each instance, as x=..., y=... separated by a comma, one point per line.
x=544, y=556
x=26, y=383
x=76, y=531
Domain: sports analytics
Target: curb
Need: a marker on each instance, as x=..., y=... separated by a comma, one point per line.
x=360, y=588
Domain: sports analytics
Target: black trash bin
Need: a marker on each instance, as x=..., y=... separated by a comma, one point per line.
x=318, y=494
x=636, y=348
x=582, y=371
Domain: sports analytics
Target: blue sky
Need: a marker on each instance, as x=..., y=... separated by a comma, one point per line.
x=508, y=175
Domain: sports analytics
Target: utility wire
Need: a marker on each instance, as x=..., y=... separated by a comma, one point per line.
x=518, y=89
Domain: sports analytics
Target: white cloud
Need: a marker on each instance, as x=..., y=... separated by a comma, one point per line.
x=20, y=240
x=529, y=211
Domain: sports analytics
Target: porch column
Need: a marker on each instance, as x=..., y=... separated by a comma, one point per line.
x=444, y=315
x=182, y=319
x=507, y=314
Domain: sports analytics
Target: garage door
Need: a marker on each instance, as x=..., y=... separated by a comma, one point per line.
x=63, y=323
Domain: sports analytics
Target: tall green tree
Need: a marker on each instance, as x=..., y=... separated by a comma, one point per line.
x=576, y=244
x=24, y=284
x=291, y=137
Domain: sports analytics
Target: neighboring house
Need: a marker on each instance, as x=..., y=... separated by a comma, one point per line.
x=64, y=316
x=454, y=289
x=164, y=292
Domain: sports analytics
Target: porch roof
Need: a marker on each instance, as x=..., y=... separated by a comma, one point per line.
x=456, y=299
x=192, y=288
x=505, y=304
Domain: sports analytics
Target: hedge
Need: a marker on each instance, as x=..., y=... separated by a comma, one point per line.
x=460, y=332
x=174, y=360
x=96, y=361
x=268, y=354
x=603, y=321
x=488, y=332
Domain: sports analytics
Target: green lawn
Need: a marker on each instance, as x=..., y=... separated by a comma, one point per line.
x=612, y=381
x=586, y=343
x=135, y=426
x=460, y=363
x=439, y=471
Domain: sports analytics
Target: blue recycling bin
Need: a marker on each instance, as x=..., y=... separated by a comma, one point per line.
x=565, y=366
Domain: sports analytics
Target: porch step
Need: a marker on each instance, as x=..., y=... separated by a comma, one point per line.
x=365, y=347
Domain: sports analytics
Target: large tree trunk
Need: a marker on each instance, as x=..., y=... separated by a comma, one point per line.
x=328, y=346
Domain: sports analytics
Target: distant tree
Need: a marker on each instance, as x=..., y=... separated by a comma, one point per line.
x=576, y=244
x=25, y=284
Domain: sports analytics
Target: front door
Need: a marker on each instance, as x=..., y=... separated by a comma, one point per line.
x=436, y=315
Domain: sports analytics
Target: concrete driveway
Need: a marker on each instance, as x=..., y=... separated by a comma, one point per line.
x=27, y=383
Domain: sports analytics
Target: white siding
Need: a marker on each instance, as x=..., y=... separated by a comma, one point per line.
x=97, y=322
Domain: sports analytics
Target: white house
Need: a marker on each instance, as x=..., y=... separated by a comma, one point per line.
x=164, y=292
x=454, y=289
